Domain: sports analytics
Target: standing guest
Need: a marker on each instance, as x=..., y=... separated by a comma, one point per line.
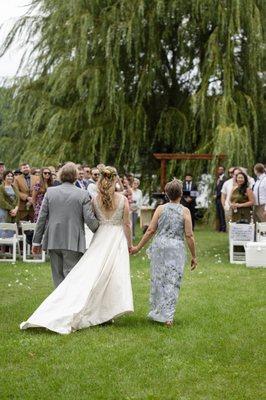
x=87, y=175
x=259, y=190
x=36, y=171
x=189, y=196
x=25, y=183
x=127, y=191
x=226, y=192
x=242, y=199
x=136, y=204
x=9, y=202
x=80, y=182
x=2, y=170
x=92, y=187
x=39, y=190
x=218, y=193
x=170, y=222
x=17, y=172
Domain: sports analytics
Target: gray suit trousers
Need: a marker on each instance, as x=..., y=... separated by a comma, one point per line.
x=62, y=261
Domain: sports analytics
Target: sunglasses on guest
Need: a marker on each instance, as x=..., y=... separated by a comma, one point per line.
x=46, y=173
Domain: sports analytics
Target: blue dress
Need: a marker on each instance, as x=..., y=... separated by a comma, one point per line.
x=167, y=255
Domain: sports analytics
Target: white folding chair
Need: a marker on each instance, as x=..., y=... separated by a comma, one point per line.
x=11, y=241
x=29, y=226
x=260, y=231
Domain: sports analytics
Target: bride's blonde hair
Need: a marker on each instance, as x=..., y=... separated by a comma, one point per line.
x=106, y=186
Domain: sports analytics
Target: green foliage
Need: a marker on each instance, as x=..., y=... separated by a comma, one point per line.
x=213, y=352
x=115, y=81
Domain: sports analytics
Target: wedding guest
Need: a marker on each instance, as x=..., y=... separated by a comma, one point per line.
x=226, y=192
x=127, y=191
x=2, y=170
x=259, y=190
x=80, y=182
x=92, y=187
x=242, y=199
x=189, y=196
x=17, y=172
x=170, y=223
x=36, y=171
x=136, y=204
x=218, y=203
x=87, y=175
x=39, y=190
x=25, y=183
x=9, y=202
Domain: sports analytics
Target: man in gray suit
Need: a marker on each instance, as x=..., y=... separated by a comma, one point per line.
x=60, y=226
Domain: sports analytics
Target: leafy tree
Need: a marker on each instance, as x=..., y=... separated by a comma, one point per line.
x=116, y=80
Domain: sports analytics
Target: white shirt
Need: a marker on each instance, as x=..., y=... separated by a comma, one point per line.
x=93, y=190
x=227, y=190
x=259, y=190
x=136, y=199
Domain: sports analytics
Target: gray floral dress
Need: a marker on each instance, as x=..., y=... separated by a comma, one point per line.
x=167, y=256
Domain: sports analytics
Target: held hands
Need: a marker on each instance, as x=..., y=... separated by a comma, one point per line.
x=36, y=250
x=193, y=264
x=133, y=250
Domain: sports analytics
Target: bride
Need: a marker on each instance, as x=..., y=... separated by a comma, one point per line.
x=98, y=288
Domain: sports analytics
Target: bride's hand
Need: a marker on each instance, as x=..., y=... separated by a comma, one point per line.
x=133, y=250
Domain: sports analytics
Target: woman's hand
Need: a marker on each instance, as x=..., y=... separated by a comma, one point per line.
x=133, y=250
x=234, y=206
x=193, y=264
x=13, y=212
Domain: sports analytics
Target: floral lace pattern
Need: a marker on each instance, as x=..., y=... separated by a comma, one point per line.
x=167, y=255
x=116, y=218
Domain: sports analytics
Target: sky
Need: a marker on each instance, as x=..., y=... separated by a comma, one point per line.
x=11, y=10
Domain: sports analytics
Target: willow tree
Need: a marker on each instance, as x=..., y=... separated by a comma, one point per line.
x=116, y=80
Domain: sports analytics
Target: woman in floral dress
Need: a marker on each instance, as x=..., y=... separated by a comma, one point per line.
x=40, y=189
x=171, y=222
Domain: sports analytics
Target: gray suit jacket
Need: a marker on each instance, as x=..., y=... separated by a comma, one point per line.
x=60, y=225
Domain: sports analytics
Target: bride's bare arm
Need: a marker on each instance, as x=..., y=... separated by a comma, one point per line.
x=127, y=224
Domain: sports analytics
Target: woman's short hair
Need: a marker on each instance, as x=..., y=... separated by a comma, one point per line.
x=68, y=173
x=174, y=189
x=8, y=172
x=259, y=168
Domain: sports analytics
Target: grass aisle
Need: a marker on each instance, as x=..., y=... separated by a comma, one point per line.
x=214, y=351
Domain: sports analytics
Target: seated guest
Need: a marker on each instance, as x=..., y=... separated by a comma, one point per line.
x=189, y=196
x=9, y=202
x=80, y=182
x=24, y=184
x=259, y=190
x=39, y=190
x=136, y=204
x=242, y=199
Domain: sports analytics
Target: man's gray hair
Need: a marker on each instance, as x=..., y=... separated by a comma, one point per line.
x=68, y=173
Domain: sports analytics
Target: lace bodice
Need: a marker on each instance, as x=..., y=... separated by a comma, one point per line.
x=115, y=217
x=171, y=222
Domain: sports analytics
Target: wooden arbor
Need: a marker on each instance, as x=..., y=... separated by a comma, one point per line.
x=163, y=157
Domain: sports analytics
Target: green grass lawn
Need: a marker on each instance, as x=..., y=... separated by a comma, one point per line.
x=214, y=351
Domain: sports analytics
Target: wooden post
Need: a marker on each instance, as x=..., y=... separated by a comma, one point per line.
x=163, y=174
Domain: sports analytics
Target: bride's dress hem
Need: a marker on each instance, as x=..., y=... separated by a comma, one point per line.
x=66, y=331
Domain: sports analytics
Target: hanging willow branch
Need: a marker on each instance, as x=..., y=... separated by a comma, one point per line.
x=115, y=81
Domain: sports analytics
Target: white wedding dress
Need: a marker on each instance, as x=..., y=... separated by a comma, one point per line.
x=98, y=288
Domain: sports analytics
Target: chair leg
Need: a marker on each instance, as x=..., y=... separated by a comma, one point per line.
x=14, y=251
